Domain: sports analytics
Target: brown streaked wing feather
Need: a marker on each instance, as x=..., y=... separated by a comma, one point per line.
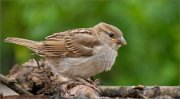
x=55, y=45
x=56, y=36
x=81, y=42
x=73, y=43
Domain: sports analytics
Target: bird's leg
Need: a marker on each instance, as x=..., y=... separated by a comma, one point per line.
x=87, y=83
x=94, y=82
x=90, y=80
x=58, y=76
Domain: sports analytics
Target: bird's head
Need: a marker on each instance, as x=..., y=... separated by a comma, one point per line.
x=110, y=35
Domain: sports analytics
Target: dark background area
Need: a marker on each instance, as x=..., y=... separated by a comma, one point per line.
x=151, y=28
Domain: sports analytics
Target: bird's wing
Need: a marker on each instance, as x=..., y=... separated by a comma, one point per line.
x=72, y=43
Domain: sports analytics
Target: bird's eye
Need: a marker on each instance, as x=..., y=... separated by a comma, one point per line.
x=111, y=34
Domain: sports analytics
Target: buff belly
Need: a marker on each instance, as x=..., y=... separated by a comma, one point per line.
x=86, y=67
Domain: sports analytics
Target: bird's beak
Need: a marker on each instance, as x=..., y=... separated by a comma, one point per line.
x=120, y=41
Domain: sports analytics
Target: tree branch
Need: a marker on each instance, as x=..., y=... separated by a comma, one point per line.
x=141, y=91
x=13, y=85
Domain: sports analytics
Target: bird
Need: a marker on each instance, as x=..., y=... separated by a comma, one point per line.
x=81, y=52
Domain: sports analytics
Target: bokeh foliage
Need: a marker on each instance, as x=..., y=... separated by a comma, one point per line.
x=151, y=28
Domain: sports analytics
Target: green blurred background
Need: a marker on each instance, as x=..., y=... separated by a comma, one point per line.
x=151, y=28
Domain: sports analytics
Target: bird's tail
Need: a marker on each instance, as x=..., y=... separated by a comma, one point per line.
x=24, y=42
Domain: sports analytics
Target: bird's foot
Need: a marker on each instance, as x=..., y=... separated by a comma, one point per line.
x=95, y=82
x=92, y=85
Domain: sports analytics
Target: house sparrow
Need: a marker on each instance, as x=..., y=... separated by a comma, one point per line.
x=82, y=52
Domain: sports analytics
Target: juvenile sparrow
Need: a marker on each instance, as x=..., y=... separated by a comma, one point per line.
x=82, y=52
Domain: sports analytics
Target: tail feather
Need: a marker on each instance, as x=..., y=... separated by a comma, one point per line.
x=24, y=42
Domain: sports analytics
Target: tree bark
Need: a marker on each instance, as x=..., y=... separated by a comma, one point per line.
x=34, y=78
x=13, y=85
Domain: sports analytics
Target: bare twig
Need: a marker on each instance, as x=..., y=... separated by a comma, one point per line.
x=13, y=85
x=40, y=81
x=141, y=91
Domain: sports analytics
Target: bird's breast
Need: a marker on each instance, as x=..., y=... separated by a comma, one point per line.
x=85, y=67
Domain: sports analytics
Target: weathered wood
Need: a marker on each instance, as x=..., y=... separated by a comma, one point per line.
x=13, y=85
x=6, y=90
x=38, y=79
x=141, y=91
